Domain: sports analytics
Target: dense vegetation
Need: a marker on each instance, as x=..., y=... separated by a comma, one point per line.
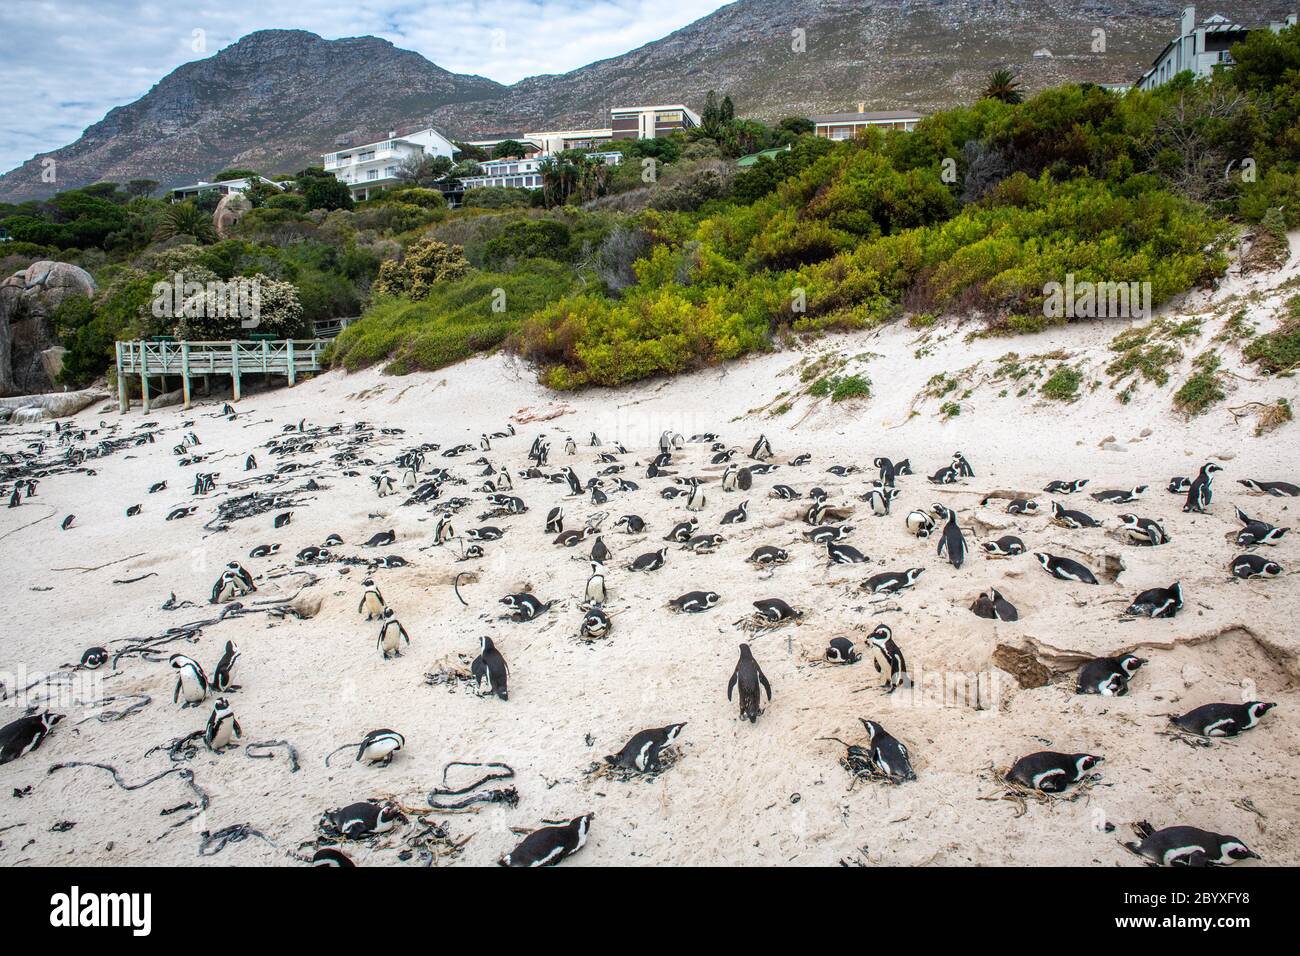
x=676, y=257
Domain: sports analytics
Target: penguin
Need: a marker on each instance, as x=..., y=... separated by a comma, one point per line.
x=784, y=492
x=1157, y=602
x=157, y=486
x=888, y=753
x=828, y=532
x=391, y=635
x=490, y=667
x=745, y=478
x=693, y=602
x=762, y=449
x=16, y=498
x=372, y=600
x=93, y=658
x=25, y=734
x=775, y=611
x=576, y=488
x=555, y=520
x=360, y=820
x=1006, y=545
x=486, y=533
x=595, y=624
x=844, y=553
x=841, y=651
x=695, y=501
x=944, y=476
x=596, y=592
x=992, y=606
x=228, y=587
x=729, y=477
x=1051, y=772
x=1144, y=531
x=1179, y=485
x=959, y=462
x=1119, y=497
x=886, y=472
x=443, y=530
x=631, y=524
x=599, y=551
x=1257, y=532
x=887, y=654
x=190, y=681
x=1064, y=568
x=952, y=542
x=748, y=676
x=569, y=539
x=378, y=746
x=283, y=519
x=1022, y=506
x=598, y=497
x=525, y=606
x=641, y=753
x=919, y=523
x=1072, y=519
x=683, y=531
x=1201, y=491
x=1247, y=566
x=67, y=522
x=798, y=461
x=223, y=729
x=651, y=561
x=891, y=582
x=1187, y=846
x=841, y=471
x=333, y=541
x=223, y=676
x=1278, y=489
x=547, y=846
x=737, y=515
x=245, y=579
x=1059, y=487
x=409, y=480
x=768, y=555
x=328, y=856
x=133, y=510
x=381, y=539
x=880, y=500
x=1108, y=676
x=1221, y=720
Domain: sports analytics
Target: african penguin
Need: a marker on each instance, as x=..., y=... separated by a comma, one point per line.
x=490, y=668
x=841, y=651
x=223, y=729
x=1187, y=846
x=190, y=680
x=641, y=753
x=1108, y=676
x=547, y=846
x=1157, y=602
x=1051, y=772
x=888, y=753
x=886, y=654
x=748, y=676
x=1246, y=566
x=25, y=734
x=391, y=635
x=1201, y=491
x=378, y=746
x=1065, y=569
x=1221, y=720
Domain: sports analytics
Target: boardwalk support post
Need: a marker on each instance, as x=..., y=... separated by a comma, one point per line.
x=293, y=377
x=123, y=394
x=144, y=378
x=234, y=370
x=185, y=375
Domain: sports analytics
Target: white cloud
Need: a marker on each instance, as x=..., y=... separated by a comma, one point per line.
x=68, y=62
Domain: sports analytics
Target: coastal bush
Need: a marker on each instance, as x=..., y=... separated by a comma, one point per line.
x=425, y=264
x=1203, y=388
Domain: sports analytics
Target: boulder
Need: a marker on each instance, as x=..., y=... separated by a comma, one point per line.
x=29, y=415
x=55, y=404
x=232, y=208
x=28, y=300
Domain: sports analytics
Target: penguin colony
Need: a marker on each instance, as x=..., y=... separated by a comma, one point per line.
x=474, y=500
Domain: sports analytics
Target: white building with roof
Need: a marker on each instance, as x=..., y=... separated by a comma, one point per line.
x=223, y=188
x=1202, y=48
x=371, y=168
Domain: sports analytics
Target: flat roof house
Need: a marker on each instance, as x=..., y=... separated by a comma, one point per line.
x=650, y=122
x=372, y=168
x=224, y=188
x=846, y=125
x=1201, y=48
x=521, y=173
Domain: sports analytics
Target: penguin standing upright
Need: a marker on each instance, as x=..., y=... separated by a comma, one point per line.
x=223, y=729
x=1201, y=490
x=555, y=520
x=886, y=654
x=748, y=676
x=372, y=601
x=952, y=542
x=695, y=502
x=391, y=635
x=962, y=466
x=762, y=449
x=596, y=593
x=190, y=680
x=491, y=667
x=223, y=677
x=571, y=477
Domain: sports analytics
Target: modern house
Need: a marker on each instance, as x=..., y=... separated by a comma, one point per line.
x=846, y=125
x=1201, y=48
x=373, y=167
x=651, y=122
x=521, y=173
x=224, y=188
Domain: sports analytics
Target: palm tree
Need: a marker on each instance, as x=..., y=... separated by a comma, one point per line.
x=185, y=219
x=1003, y=85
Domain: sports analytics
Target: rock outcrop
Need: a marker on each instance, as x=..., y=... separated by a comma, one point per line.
x=30, y=357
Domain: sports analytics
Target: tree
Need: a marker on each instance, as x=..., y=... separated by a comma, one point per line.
x=185, y=219
x=466, y=151
x=509, y=149
x=423, y=170
x=796, y=125
x=322, y=191
x=228, y=174
x=426, y=262
x=142, y=187
x=1003, y=85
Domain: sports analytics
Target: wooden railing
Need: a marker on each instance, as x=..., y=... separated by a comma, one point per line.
x=164, y=357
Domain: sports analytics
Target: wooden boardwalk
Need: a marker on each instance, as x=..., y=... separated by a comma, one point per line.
x=287, y=357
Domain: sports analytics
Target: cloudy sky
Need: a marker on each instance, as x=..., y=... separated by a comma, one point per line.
x=65, y=63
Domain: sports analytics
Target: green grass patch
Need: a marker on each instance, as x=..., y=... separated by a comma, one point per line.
x=1203, y=388
x=1063, y=384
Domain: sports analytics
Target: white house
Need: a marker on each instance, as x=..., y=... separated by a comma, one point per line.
x=522, y=173
x=846, y=125
x=371, y=168
x=650, y=122
x=1201, y=48
x=224, y=188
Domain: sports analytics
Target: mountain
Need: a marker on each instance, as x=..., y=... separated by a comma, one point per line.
x=277, y=99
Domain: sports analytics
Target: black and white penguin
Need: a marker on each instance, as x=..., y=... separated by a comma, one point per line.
x=485, y=533
x=798, y=461
x=651, y=561
x=632, y=524
x=784, y=492
x=887, y=656
x=952, y=543
x=841, y=651
x=1119, y=496
x=378, y=746
x=1201, y=491
x=1051, y=772
x=525, y=607
x=1059, y=487
x=693, y=602
x=223, y=678
x=381, y=539
x=768, y=555
x=886, y=471
x=695, y=501
x=1072, y=519
x=748, y=676
x=176, y=514
x=93, y=658
x=1157, y=602
x=1108, y=676
x=333, y=541
x=729, y=477
x=944, y=476
x=329, y=856
x=595, y=623
x=547, y=846
x=762, y=449
x=228, y=587
x=919, y=523
x=1246, y=566
x=490, y=668
x=191, y=681
x=555, y=520
x=683, y=531
x=599, y=551
x=391, y=635
x=737, y=515
x=1221, y=720
x=25, y=734
x=1187, y=846
x=1022, y=506
x=992, y=606
x=1278, y=489
x=880, y=500
x=223, y=729
x=1257, y=532
x=828, y=532
x=576, y=487
x=641, y=753
x=133, y=510
x=959, y=462
x=360, y=820
x=372, y=600
x=283, y=519
x=569, y=539
x=1006, y=545
x=67, y=522
x=443, y=530
x=888, y=753
x=1178, y=485
x=1144, y=531
x=1065, y=569
x=775, y=610
x=596, y=592
x=844, y=553
x=891, y=582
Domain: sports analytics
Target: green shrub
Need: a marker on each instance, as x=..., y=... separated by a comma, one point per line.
x=1063, y=384
x=1203, y=388
x=425, y=264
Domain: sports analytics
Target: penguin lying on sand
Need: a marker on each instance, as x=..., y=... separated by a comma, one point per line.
x=1257, y=532
x=641, y=753
x=888, y=753
x=1221, y=720
x=25, y=734
x=1254, y=566
x=1051, y=772
x=1108, y=676
x=360, y=820
x=1278, y=489
x=1158, y=602
x=841, y=651
x=547, y=846
x=1187, y=846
